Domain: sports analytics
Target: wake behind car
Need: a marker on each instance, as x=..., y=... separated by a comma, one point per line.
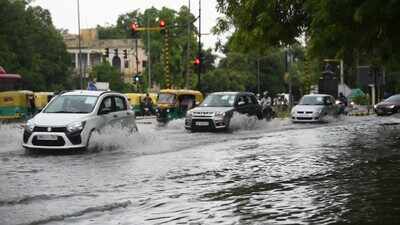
x=216, y=111
x=69, y=119
x=389, y=106
x=313, y=108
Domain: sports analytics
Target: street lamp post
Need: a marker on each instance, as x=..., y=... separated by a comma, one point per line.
x=80, y=48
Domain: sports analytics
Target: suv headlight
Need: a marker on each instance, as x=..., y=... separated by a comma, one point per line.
x=29, y=126
x=219, y=114
x=75, y=127
x=189, y=114
x=391, y=107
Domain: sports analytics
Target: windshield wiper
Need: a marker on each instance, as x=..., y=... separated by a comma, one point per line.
x=60, y=112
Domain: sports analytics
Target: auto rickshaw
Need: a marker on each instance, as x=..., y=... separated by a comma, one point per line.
x=136, y=100
x=173, y=104
x=16, y=105
x=42, y=98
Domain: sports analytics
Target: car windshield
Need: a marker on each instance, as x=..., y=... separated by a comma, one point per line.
x=312, y=100
x=72, y=104
x=219, y=100
x=394, y=98
x=166, y=98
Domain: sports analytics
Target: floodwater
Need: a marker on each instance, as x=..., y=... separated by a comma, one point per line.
x=346, y=171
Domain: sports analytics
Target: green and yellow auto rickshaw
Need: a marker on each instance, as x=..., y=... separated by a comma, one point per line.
x=173, y=104
x=136, y=101
x=41, y=99
x=16, y=105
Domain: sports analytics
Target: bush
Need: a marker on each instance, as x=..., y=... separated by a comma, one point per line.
x=361, y=100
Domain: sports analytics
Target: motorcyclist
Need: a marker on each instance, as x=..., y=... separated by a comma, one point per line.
x=266, y=105
x=342, y=102
x=148, y=103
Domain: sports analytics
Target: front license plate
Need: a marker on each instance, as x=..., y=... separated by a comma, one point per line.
x=47, y=137
x=201, y=123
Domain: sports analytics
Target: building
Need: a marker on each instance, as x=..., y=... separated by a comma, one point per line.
x=93, y=49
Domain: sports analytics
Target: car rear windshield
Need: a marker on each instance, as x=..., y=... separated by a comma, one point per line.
x=394, y=98
x=72, y=104
x=219, y=100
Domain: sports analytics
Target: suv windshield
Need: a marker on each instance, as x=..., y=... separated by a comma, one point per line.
x=165, y=98
x=312, y=100
x=219, y=100
x=72, y=104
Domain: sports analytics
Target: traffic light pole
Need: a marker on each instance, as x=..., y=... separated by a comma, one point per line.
x=199, y=51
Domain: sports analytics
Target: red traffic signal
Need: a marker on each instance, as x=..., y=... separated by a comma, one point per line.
x=162, y=24
x=196, y=61
x=134, y=27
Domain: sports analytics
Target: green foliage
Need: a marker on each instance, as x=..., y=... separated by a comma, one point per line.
x=333, y=28
x=107, y=73
x=31, y=46
x=361, y=99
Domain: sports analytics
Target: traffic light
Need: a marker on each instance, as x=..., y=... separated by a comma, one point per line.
x=116, y=51
x=196, y=61
x=134, y=29
x=106, y=52
x=162, y=26
x=125, y=54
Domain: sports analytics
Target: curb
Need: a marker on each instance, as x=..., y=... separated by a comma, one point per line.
x=360, y=114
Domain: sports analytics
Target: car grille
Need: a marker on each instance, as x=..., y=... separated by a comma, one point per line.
x=303, y=112
x=304, y=118
x=59, y=142
x=53, y=129
x=203, y=114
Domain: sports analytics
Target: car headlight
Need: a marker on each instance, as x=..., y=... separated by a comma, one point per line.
x=29, y=126
x=219, y=114
x=75, y=127
x=392, y=106
x=168, y=110
x=189, y=114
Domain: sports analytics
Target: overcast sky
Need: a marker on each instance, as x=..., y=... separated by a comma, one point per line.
x=103, y=12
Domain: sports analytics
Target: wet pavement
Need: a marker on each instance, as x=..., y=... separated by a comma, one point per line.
x=346, y=171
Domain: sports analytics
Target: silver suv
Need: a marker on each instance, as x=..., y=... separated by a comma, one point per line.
x=216, y=111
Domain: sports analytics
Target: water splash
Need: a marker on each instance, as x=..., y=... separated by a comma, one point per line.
x=10, y=136
x=146, y=141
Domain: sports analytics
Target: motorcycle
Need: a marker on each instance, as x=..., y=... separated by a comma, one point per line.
x=342, y=107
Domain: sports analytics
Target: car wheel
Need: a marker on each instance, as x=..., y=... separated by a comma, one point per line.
x=88, y=140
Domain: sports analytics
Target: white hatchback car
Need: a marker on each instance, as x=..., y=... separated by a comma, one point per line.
x=314, y=107
x=69, y=119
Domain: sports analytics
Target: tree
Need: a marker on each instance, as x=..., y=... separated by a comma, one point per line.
x=105, y=72
x=31, y=46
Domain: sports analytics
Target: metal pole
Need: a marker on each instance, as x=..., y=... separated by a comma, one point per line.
x=79, y=47
x=199, y=51
x=137, y=57
x=342, y=76
x=188, y=51
x=148, y=55
x=258, y=76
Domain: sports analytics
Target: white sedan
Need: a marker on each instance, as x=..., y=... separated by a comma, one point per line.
x=314, y=108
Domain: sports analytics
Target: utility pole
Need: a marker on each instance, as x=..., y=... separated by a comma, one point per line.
x=80, y=48
x=199, y=51
x=148, y=55
x=188, y=51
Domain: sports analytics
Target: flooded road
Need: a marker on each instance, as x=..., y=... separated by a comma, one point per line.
x=343, y=172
